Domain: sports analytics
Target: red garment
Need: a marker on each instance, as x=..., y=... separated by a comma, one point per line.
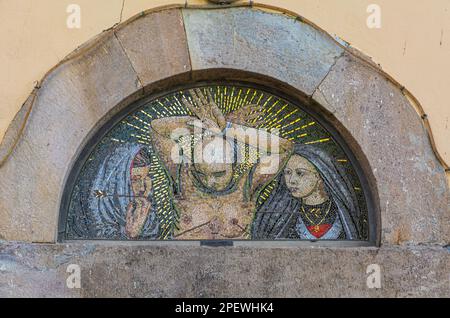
x=319, y=230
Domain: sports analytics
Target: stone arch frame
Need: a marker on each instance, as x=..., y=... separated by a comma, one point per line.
x=171, y=45
x=232, y=76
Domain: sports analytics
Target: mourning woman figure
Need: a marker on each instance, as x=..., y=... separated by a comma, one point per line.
x=313, y=200
x=122, y=195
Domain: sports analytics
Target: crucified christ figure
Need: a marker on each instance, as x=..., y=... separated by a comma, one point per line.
x=216, y=183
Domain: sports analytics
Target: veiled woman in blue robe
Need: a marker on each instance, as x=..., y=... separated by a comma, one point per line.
x=285, y=216
x=109, y=208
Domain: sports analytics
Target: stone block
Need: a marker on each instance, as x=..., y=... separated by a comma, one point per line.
x=252, y=40
x=156, y=45
x=135, y=270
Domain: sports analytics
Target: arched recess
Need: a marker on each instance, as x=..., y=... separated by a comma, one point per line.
x=169, y=46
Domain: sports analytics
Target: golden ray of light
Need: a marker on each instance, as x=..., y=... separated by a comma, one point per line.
x=279, y=124
x=265, y=111
x=253, y=97
x=300, y=128
x=279, y=111
x=291, y=113
x=233, y=98
x=118, y=140
x=225, y=95
x=308, y=125
x=245, y=98
x=342, y=160
x=293, y=122
x=171, y=106
x=238, y=99
x=268, y=110
x=157, y=112
x=140, y=137
x=145, y=123
x=136, y=127
x=318, y=141
x=165, y=212
x=276, y=120
x=260, y=98
x=266, y=193
x=267, y=101
x=146, y=114
x=165, y=108
x=229, y=96
x=216, y=95
x=181, y=107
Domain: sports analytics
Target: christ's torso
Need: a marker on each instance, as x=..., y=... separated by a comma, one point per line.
x=213, y=217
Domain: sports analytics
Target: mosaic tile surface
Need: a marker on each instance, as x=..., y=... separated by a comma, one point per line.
x=185, y=166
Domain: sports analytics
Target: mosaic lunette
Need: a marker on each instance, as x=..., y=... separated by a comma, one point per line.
x=130, y=187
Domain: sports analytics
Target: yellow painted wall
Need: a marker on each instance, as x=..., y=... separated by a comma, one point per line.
x=413, y=44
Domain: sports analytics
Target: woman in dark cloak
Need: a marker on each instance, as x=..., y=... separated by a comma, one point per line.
x=313, y=199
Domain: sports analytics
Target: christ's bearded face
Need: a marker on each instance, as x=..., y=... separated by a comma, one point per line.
x=213, y=160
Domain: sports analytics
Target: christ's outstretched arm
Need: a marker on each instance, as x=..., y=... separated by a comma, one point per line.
x=243, y=126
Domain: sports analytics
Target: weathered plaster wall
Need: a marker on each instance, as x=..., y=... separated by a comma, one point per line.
x=413, y=44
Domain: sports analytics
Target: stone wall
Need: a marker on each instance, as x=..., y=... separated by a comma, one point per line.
x=136, y=270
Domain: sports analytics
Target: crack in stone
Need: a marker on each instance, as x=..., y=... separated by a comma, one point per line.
x=129, y=60
x=336, y=59
x=187, y=44
x=121, y=11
